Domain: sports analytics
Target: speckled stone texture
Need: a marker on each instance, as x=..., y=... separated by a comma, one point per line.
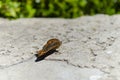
x=90, y=48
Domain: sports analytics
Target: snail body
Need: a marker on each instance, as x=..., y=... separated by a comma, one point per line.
x=51, y=44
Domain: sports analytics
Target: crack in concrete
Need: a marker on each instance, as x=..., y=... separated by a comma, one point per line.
x=61, y=60
x=104, y=71
x=78, y=66
x=66, y=61
x=7, y=66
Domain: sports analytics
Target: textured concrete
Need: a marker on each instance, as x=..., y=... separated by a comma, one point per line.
x=90, y=48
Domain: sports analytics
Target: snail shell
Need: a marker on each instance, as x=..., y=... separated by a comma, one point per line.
x=51, y=44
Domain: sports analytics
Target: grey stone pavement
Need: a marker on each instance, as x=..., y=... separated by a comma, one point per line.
x=90, y=48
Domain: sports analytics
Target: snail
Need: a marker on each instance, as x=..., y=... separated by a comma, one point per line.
x=51, y=45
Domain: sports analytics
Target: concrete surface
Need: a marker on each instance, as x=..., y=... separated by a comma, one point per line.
x=90, y=48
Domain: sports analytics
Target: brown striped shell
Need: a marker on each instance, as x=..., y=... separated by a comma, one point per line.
x=51, y=44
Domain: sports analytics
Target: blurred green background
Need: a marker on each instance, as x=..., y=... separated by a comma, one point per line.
x=13, y=9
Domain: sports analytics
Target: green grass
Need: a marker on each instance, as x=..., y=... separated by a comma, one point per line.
x=13, y=9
